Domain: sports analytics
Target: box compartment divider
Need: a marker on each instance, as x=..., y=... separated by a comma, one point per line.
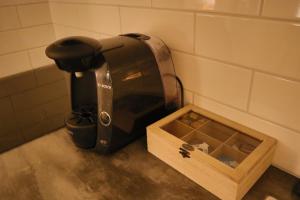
x=177, y=129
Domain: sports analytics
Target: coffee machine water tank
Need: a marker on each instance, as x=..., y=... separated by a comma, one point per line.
x=118, y=86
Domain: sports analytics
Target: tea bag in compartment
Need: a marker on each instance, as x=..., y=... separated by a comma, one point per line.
x=228, y=161
x=199, y=123
x=193, y=119
x=244, y=147
x=229, y=156
x=202, y=142
x=204, y=147
x=244, y=143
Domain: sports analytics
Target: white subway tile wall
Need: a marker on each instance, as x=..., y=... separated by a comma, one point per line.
x=38, y=58
x=282, y=9
x=188, y=97
x=222, y=82
x=276, y=99
x=8, y=18
x=265, y=45
x=141, y=3
x=62, y=31
x=175, y=28
x=25, y=26
x=37, y=36
x=34, y=14
x=19, y=2
x=250, y=7
x=239, y=59
x=13, y=63
x=83, y=16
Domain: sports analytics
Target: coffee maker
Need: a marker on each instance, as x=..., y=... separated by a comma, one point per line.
x=118, y=86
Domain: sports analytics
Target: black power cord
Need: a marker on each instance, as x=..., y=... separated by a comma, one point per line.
x=296, y=188
x=181, y=88
x=181, y=91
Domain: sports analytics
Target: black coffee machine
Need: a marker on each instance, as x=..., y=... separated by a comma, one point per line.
x=118, y=87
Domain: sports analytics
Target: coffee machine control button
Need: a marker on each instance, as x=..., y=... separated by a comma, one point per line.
x=105, y=118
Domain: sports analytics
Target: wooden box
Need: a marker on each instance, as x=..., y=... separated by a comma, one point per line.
x=224, y=157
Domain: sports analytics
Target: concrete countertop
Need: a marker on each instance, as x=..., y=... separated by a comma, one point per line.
x=52, y=168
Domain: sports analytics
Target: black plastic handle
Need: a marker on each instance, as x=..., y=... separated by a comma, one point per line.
x=76, y=54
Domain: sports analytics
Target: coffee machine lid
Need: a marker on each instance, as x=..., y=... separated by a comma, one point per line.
x=73, y=48
x=76, y=54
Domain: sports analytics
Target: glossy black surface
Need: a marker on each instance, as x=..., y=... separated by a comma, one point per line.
x=83, y=90
x=138, y=97
x=76, y=54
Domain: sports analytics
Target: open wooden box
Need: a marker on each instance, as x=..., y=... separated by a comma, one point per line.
x=224, y=157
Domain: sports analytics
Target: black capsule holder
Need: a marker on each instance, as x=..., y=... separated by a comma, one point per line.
x=82, y=125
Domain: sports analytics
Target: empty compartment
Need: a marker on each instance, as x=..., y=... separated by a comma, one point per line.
x=217, y=131
x=177, y=129
x=202, y=142
x=229, y=156
x=193, y=119
x=243, y=143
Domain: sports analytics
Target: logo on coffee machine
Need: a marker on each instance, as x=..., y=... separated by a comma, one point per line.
x=105, y=86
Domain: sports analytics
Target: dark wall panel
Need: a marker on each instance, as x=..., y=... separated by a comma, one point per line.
x=32, y=104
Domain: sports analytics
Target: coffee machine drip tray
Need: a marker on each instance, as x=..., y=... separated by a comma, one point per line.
x=82, y=125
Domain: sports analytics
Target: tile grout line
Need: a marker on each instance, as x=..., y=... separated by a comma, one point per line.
x=250, y=90
x=79, y=28
x=51, y=17
x=39, y=104
x=195, y=32
x=100, y=4
x=19, y=18
x=184, y=93
x=45, y=117
x=23, y=4
x=24, y=27
x=22, y=50
x=120, y=20
x=220, y=102
x=191, y=91
x=222, y=14
x=37, y=84
x=261, y=7
x=19, y=128
x=193, y=99
x=34, y=72
x=30, y=61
